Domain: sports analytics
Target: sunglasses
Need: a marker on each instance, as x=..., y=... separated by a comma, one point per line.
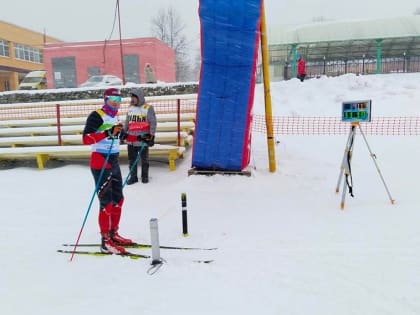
x=115, y=98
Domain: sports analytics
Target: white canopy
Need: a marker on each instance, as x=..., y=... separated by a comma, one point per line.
x=347, y=30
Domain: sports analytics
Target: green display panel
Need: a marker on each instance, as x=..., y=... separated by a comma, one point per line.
x=356, y=111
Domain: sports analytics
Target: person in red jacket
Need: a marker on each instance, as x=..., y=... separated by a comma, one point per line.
x=301, y=69
x=102, y=132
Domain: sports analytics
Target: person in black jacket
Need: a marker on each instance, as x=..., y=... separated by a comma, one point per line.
x=101, y=131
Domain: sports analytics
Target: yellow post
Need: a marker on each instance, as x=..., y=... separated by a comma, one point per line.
x=41, y=159
x=267, y=95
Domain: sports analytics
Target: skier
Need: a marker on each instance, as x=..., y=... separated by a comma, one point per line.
x=101, y=131
x=140, y=123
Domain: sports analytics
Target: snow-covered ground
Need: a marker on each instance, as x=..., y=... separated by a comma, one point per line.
x=284, y=245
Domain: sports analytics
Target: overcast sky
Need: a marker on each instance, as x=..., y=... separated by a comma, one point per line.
x=83, y=20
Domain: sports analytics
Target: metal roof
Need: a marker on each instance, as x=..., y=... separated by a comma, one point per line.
x=348, y=30
x=349, y=39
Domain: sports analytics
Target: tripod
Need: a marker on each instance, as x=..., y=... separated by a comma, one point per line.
x=346, y=166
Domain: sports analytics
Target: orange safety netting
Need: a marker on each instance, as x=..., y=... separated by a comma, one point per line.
x=282, y=125
x=83, y=108
x=387, y=126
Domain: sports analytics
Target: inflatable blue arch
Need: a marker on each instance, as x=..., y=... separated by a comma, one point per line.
x=229, y=50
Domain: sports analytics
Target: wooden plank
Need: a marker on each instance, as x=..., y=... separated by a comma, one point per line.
x=27, y=131
x=160, y=138
x=185, y=126
x=81, y=108
x=44, y=153
x=195, y=171
x=81, y=120
x=40, y=122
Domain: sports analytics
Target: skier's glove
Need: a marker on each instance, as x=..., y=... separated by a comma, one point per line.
x=123, y=135
x=114, y=131
x=150, y=140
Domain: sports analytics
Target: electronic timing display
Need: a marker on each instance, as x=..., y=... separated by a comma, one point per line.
x=356, y=111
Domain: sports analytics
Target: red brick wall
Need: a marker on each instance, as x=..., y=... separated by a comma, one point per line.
x=108, y=59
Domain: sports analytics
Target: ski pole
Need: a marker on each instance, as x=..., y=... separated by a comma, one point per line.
x=134, y=164
x=91, y=199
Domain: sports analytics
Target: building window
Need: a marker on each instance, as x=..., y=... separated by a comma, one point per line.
x=93, y=71
x=27, y=53
x=64, y=72
x=131, y=66
x=4, y=48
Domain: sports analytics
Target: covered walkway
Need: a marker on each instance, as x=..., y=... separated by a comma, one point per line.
x=335, y=48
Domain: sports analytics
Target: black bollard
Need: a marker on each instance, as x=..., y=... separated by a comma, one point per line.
x=184, y=214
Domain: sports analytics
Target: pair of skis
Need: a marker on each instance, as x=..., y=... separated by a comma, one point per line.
x=128, y=254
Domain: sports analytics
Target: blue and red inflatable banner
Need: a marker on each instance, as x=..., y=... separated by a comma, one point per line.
x=229, y=48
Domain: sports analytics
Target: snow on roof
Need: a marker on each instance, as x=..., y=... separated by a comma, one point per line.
x=347, y=30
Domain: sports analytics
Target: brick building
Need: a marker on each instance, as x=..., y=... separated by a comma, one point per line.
x=21, y=51
x=70, y=64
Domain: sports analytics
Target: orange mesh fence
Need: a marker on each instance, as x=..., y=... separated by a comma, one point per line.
x=387, y=126
x=68, y=109
x=282, y=125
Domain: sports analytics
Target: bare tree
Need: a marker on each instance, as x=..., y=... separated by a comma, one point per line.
x=168, y=27
x=417, y=11
x=196, y=66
